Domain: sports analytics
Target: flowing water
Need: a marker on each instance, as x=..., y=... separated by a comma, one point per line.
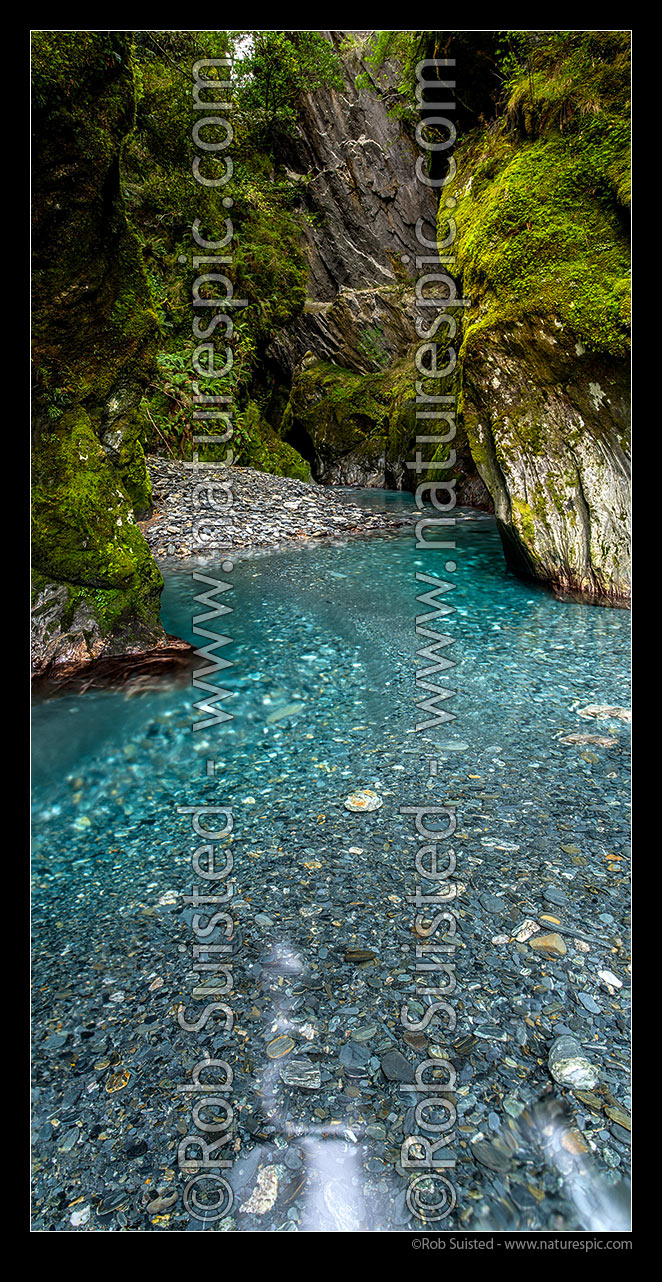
x=323, y=701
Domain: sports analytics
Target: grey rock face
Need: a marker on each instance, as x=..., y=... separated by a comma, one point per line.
x=548, y=425
x=356, y=168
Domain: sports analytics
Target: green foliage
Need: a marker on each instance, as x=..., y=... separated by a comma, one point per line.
x=268, y=267
x=401, y=51
x=83, y=533
x=274, y=70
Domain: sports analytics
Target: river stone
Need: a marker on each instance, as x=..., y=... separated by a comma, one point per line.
x=55, y=1042
x=359, y=955
x=69, y=1139
x=525, y=930
x=609, y=980
x=365, y=1034
x=396, y=1068
x=570, y=1067
x=352, y=1055
x=280, y=1046
x=588, y=1003
x=113, y=1200
x=619, y=1116
x=551, y=945
x=79, y=1217
x=493, y=904
x=603, y=741
x=554, y=896
x=265, y=1192
x=603, y=712
x=301, y=1073
x=366, y=799
x=495, y=1159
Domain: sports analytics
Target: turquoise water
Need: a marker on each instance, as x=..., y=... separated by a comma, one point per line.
x=331, y=627
x=323, y=699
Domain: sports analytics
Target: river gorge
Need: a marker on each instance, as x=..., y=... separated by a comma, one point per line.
x=330, y=737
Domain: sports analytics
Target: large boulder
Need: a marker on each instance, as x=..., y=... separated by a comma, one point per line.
x=548, y=425
x=540, y=205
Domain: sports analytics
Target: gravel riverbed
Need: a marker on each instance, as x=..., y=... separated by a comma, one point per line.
x=265, y=511
x=326, y=930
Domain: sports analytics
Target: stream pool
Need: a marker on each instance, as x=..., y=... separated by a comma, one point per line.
x=323, y=701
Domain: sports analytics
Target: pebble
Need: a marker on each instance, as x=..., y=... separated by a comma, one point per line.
x=603, y=712
x=353, y=1055
x=494, y=905
x=68, y=1140
x=365, y=800
x=396, y=1068
x=609, y=980
x=359, y=955
x=569, y=1066
x=79, y=1217
x=526, y=930
x=267, y=511
x=302, y=1074
x=280, y=1046
x=551, y=945
x=554, y=896
x=55, y=1042
x=364, y=1034
x=265, y=1192
x=588, y=1003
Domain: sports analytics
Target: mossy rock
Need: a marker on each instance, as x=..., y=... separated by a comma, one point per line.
x=542, y=250
x=94, y=344
x=364, y=426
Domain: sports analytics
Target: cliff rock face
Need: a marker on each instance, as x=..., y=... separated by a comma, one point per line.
x=355, y=166
x=548, y=425
x=350, y=355
x=543, y=252
x=96, y=589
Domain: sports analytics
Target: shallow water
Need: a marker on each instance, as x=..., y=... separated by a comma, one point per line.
x=323, y=702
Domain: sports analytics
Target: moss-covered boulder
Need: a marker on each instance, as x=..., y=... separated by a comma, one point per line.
x=548, y=426
x=345, y=416
x=542, y=248
x=97, y=589
x=261, y=447
x=362, y=428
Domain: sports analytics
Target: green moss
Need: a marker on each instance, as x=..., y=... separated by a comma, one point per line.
x=539, y=219
x=94, y=342
x=534, y=243
x=345, y=412
x=524, y=522
x=354, y=403
x=83, y=529
x=123, y=448
x=258, y=445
